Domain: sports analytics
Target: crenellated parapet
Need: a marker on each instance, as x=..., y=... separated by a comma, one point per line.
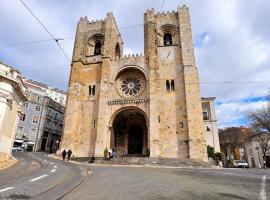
x=131, y=59
x=151, y=12
x=133, y=56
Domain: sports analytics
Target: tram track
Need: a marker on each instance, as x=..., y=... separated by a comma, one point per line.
x=31, y=168
x=57, y=187
x=48, y=178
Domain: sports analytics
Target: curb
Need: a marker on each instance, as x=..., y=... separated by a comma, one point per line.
x=8, y=163
x=134, y=166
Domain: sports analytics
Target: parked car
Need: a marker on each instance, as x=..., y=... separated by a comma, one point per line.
x=240, y=163
x=16, y=148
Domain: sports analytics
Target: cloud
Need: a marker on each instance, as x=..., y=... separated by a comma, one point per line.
x=233, y=113
x=231, y=40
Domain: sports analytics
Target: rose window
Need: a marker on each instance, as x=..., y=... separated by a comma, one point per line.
x=130, y=84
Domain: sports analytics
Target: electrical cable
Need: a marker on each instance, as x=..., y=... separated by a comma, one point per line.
x=55, y=39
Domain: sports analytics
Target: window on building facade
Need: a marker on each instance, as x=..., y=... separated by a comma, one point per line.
x=39, y=98
x=205, y=116
x=167, y=38
x=92, y=90
x=37, y=108
x=170, y=85
x=26, y=105
x=33, y=133
x=117, y=51
x=35, y=119
x=23, y=117
x=97, y=50
x=19, y=133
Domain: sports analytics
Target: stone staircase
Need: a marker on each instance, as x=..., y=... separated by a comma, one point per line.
x=145, y=161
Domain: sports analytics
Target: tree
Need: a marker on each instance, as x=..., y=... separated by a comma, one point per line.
x=260, y=122
x=233, y=138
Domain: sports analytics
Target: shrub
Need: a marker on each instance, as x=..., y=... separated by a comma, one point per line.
x=217, y=157
x=210, y=151
x=147, y=152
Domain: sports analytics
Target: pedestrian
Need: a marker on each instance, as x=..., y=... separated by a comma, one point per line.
x=69, y=154
x=113, y=153
x=110, y=153
x=92, y=159
x=64, y=153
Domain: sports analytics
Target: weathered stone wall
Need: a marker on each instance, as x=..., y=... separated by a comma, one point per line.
x=174, y=118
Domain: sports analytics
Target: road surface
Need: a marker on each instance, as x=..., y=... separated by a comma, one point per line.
x=36, y=176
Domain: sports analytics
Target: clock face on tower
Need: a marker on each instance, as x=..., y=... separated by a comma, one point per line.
x=130, y=83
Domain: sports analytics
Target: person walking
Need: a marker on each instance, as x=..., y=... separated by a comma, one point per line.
x=64, y=153
x=69, y=153
x=113, y=153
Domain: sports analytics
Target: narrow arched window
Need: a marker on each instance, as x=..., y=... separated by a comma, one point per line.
x=168, y=85
x=167, y=38
x=172, y=85
x=97, y=50
x=117, y=51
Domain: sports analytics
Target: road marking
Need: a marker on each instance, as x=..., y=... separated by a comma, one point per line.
x=53, y=170
x=54, y=166
x=263, y=190
x=40, y=177
x=5, y=189
x=51, y=163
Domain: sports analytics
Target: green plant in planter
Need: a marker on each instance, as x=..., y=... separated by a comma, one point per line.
x=147, y=152
x=106, y=153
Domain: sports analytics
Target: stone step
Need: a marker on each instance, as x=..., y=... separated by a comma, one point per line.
x=174, y=162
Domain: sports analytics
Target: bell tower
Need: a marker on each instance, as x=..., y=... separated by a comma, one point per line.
x=97, y=45
x=176, y=122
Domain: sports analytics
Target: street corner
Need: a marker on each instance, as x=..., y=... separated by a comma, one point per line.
x=8, y=163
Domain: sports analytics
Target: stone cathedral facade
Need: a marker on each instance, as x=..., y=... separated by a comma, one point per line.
x=135, y=103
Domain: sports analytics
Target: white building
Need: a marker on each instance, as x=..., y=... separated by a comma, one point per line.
x=210, y=122
x=254, y=153
x=54, y=93
x=13, y=93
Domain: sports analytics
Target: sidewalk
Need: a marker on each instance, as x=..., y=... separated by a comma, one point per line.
x=8, y=163
x=85, y=163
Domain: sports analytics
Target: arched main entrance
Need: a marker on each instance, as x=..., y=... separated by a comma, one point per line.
x=130, y=136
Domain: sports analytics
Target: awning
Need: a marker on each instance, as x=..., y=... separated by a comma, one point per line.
x=18, y=140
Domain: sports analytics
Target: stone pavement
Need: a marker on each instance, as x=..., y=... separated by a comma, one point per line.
x=8, y=163
x=39, y=177
x=140, y=183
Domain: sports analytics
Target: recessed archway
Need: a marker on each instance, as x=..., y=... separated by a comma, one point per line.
x=130, y=134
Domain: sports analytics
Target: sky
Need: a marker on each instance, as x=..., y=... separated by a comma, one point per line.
x=231, y=41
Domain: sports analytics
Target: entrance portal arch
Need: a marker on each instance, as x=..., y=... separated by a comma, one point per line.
x=130, y=132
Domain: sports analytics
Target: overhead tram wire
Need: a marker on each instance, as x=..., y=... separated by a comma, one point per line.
x=202, y=83
x=33, y=42
x=162, y=6
x=62, y=39
x=54, y=38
